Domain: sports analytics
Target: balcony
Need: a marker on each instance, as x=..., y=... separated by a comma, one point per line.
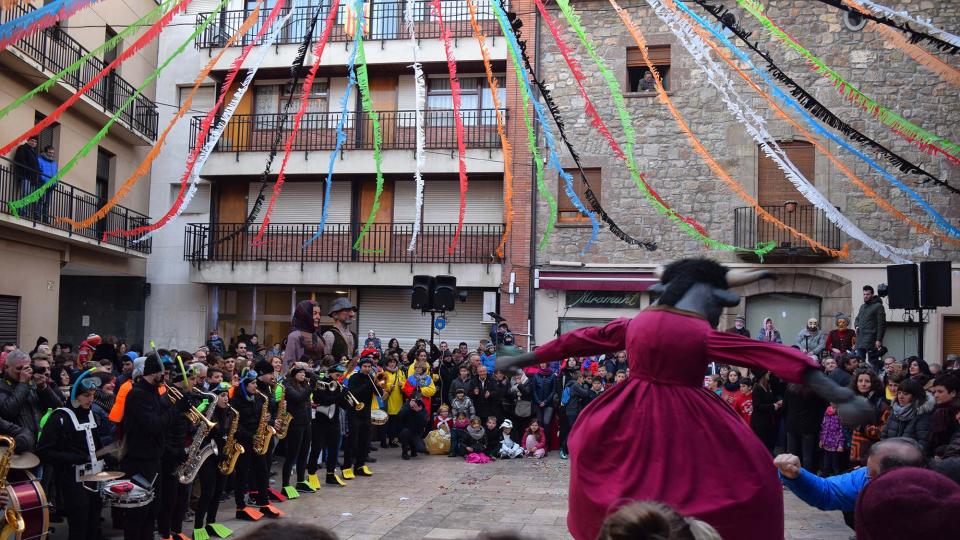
x=384, y=22
x=67, y=201
x=807, y=219
x=318, y=131
x=53, y=49
x=384, y=243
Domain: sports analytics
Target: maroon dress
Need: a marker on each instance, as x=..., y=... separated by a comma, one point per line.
x=661, y=436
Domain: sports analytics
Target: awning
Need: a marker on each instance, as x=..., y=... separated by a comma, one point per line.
x=595, y=281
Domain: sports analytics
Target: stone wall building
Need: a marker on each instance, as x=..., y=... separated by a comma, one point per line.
x=809, y=284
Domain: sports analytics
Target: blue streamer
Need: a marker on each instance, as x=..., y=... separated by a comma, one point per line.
x=790, y=102
x=341, y=137
x=553, y=159
x=32, y=17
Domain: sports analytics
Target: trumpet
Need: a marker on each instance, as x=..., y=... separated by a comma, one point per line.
x=378, y=385
x=192, y=413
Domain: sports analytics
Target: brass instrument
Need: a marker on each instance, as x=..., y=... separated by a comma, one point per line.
x=379, y=384
x=192, y=413
x=231, y=449
x=261, y=438
x=283, y=417
x=12, y=519
x=333, y=386
x=198, y=453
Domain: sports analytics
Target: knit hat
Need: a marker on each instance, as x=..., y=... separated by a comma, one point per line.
x=368, y=352
x=93, y=340
x=366, y=360
x=740, y=318
x=152, y=364
x=841, y=315
x=138, y=364
x=132, y=355
x=262, y=366
x=930, y=499
x=296, y=370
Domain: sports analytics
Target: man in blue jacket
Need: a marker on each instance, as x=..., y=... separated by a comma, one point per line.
x=840, y=492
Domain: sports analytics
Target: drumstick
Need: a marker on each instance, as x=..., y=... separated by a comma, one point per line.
x=111, y=448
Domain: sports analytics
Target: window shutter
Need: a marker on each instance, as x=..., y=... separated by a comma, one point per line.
x=302, y=202
x=951, y=336
x=773, y=188
x=659, y=56
x=565, y=205
x=9, y=319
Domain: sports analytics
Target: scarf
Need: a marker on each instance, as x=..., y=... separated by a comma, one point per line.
x=475, y=433
x=904, y=413
x=731, y=387
x=545, y=372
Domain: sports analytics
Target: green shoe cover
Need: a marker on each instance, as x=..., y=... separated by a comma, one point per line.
x=291, y=492
x=200, y=534
x=220, y=530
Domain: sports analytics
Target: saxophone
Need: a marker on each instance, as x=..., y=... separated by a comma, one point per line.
x=231, y=449
x=12, y=519
x=261, y=439
x=197, y=453
x=283, y=417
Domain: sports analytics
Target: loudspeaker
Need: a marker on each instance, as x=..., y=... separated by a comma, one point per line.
x=935, y=289
x=445, y=293
x=902, y=286
x=422, y=292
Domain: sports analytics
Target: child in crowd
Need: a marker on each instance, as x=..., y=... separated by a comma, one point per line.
x=443, y=420
x=744, y=403
x=459, y=434
x=534, y=440
x=716, y=384
x=508, y=447
x=731, y=388
x=462, y=404
x=831, y=441
x=620, y=377
x=597, y=386
x=493, y=440
x=476, y=440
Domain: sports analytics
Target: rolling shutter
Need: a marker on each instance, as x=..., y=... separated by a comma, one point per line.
x=201, y=6
x=199, y=204
x=388, y=313
x=302, y=202
x=951, y=336
x=9, y=319
x=659, y=56
x=441, y=202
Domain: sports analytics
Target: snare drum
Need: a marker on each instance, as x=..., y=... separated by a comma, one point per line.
x=27, y=497
x=125, y=494
x=378, y=417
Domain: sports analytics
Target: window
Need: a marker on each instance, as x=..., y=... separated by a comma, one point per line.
x=639, y=78
x=49, y=136
x=104, y=175
x=773, y=187
x=566, y=211
x=316, y=101
x=9, y=319
x=476, y=101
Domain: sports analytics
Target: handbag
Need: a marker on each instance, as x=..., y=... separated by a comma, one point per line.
x=523, y=408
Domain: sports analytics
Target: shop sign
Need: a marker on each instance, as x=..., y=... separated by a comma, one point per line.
x=603, y=299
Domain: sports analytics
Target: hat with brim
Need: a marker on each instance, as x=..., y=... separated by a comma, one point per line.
x=340, y=304
x=507, y=424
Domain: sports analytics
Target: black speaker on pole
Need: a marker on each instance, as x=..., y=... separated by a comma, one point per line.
x=445, y=293
x=935, y=289
x=903, y=292
x=422, y=292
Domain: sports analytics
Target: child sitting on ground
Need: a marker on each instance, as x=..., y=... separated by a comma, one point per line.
x=493, y=441
x=443, y=419
x=534, y=440
x=476, y=440
x=458, y=437
x=508, y=447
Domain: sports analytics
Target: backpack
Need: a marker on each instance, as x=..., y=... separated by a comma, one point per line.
x=565, y=396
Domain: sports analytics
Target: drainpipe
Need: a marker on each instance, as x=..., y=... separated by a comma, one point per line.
x=531, y=310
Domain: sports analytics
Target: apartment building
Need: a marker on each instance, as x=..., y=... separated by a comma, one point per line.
x=611, y=280
x=60, y=282
x=200, y=282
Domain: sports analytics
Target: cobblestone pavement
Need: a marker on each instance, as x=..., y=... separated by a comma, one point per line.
x=436, y=497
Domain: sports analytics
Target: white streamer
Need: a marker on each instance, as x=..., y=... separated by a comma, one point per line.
x=926, y=23
x=421, y=98
x=214, y=135
x=756, y=127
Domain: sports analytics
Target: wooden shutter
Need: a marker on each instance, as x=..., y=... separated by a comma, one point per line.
x=773, y=188
x=567, y=211
x=951, y=336
x=9, y=319
x=659, y=56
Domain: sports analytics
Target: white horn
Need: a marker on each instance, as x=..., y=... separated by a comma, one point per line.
x=736, y=278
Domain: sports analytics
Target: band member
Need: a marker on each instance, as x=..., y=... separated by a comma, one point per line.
x=69, y=441
x=297, y=395
x=360, y=385
x=325, y=430
x=173, y=503
x=339, y=340
x=251, y=468
x=146, y=420
x=393, y=396
x=209, y=478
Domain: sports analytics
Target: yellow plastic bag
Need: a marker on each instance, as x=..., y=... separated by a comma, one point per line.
x=437, y=442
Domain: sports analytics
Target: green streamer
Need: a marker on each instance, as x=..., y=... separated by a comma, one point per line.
x=110, y=44
x=35, y=196
x=363, y=81
x=532, y=144
x=626, y=121
x=889, y=118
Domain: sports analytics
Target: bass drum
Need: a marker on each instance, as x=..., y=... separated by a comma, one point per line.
x=27, y=497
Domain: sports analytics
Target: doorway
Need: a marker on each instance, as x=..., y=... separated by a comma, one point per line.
x=383, y=96
x=789, y=312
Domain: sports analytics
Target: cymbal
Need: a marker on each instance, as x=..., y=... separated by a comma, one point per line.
x=102, y=476
x=25, y=460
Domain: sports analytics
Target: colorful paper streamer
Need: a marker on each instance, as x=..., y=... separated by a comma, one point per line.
x=953, y=39
x=718, y=12
x=92, y=143
x=923, y=139
x=297, y=118
x=915, y=35
x=144, y=166
x=188, y=179
x=419, y=103
x=689, y=225
x=135, y=47
x=39, y=19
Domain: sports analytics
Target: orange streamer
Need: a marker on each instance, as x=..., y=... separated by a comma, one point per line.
x=504, y=142
x=867, y=190
x=144, y=167
x=698, y=146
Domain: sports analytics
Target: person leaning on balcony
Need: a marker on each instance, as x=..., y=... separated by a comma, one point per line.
x=28, y=166
x=48, y=170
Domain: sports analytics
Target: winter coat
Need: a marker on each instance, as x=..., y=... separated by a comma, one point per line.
x=765, y=418
x=250, y=411
x=24, y=404
x=871, y=322
x=811, y=342
x=912, y=421
x=484, y=404
x=22, y=437
x=943, y=424
x=544, y=388
x=831, y=431
x=63, y=446
x=863, y=437
x=298, y=403
x=838, y=492
x=580, y=395
x=415, y=421
x=464, y=405
x=146, y=420
x=216, y=345
x=448, y=372
x=457, y=383
x=48, y=168
x=393, y=391
x=762, y=336
x=541, y=441
x=27, y=161
x=804, y=411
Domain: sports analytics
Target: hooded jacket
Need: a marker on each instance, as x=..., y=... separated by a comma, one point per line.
x=544, y=387
x=811, y=342
x=871, y=322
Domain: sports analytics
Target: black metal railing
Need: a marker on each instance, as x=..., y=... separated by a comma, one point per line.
x=383, y=242
x=385, y=21
x=53, y=49
x=318, y=131
x=64, y=200
x=807, y=219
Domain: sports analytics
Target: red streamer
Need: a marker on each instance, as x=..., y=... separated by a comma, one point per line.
x=288, y=144
x=458, y=122
x=145, y=39
x=204, y=129
x=40, y=24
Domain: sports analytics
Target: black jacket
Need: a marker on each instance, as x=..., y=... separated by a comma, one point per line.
x=24, y=405
x=298, y=403
x=765, y=418
x=28, y=164
x=803, y=410
x=361, y=387
x=415, y=421
x=871, y=323
x=249, y=410
x=485, y=405
x=62, y=445
x=580, y=396
x=22, y=437
x=448, y=373
x=146, y=422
